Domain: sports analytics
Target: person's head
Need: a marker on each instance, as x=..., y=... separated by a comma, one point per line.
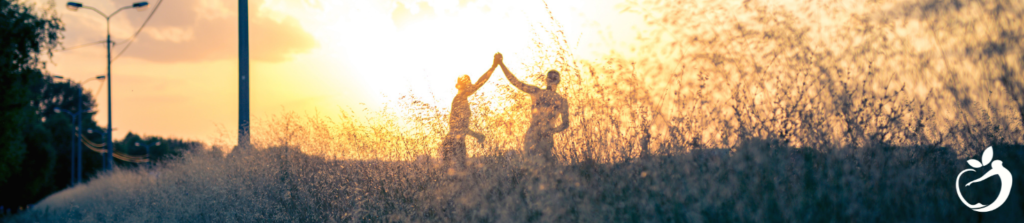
x=553, y=79
x=463, y=82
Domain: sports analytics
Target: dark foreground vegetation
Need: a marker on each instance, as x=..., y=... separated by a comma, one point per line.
x=758, y=181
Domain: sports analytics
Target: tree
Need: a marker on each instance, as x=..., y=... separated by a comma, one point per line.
x=27, y=34
x=168, y=148
x=65, y=96
x=27, y=157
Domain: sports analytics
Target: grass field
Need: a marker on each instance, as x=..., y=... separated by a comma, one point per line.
x=735, y=111
x=758, y=181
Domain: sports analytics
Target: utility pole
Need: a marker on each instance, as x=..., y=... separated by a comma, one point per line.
x=76, y=120
x=149, y=155
x=109, y=156
x=76, y=161
x=76, y=149
x=108, y=160
x=243, y=73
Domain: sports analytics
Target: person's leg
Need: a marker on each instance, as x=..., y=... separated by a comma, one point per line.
x=460, y=152
x=530, y=141
x=448, y=148
x=545, y=147
x=535, y=143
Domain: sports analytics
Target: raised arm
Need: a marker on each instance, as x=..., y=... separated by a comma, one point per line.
x=515, y=82
x=563, y=109
x=483, y=79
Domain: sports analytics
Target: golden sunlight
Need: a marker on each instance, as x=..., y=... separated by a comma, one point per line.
x=396, y=47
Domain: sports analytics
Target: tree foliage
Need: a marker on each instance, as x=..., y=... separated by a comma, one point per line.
x=27, y=157
x=27, y=34
x=135, y=145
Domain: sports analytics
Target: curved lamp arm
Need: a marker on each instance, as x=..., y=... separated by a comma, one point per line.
x=74, y=6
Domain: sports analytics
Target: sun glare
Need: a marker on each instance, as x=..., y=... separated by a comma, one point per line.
x=397, y=47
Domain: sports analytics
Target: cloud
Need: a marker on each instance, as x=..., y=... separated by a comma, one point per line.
x=172, y=34
x=200, y=30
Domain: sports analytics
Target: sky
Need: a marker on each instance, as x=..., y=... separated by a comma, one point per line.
x=178, y=78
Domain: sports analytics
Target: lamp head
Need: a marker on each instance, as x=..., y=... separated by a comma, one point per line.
x=57, y=76
x=73, y=6
x=140, y=5
x=101, y=77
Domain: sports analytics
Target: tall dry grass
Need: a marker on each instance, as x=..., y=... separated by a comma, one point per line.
x=749, y=111
x=712, y=73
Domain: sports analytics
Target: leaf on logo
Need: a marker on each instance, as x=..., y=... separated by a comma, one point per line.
x=974, y=163
x=986, y=157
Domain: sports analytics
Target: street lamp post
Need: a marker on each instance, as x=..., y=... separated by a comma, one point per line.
x=74, y=6
x=76, y=150
x=149, y=156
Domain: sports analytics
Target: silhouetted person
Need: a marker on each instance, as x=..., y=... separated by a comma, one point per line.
x=454, y=146
x=547, y=106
